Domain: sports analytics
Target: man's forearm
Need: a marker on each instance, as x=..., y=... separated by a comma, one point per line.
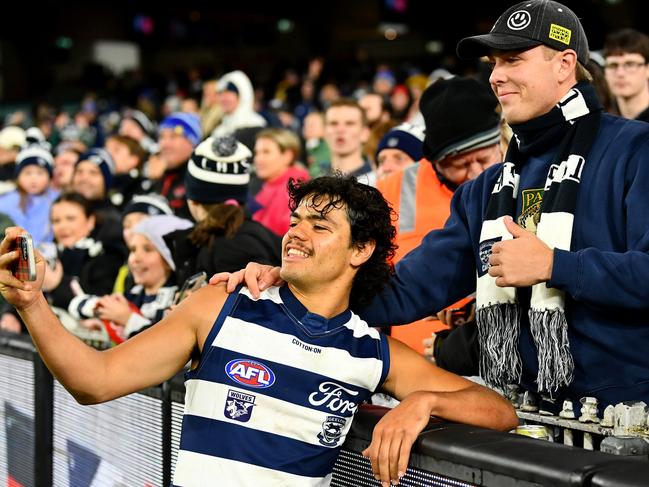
x=474, y=405
x=78, y=367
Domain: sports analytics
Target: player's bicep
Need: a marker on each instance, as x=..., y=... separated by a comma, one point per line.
x=162, y=350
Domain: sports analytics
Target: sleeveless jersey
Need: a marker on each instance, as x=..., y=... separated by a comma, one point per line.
x=275, y=392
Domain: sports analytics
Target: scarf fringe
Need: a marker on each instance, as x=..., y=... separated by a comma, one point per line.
x=499, y=327
x=550, y=331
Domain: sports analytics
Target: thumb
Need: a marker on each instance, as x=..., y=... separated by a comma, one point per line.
x=516, y=230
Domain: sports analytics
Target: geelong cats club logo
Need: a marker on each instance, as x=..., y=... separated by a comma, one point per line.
x=332, y=430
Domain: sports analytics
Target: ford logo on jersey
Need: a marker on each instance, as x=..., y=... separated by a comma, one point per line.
x=250, y=373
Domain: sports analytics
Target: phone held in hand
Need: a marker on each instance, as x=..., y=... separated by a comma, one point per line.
x=461, y=315
x=24, y=268
x=192, y=284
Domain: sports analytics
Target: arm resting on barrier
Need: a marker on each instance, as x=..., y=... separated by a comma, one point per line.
x=425, y=390
x=94, y=376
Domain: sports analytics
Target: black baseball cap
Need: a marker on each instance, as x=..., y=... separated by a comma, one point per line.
x=530, y=24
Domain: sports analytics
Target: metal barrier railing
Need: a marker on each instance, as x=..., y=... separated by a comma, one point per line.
x=47, y=439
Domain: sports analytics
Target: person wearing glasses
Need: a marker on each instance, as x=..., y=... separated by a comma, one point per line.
x=626, y=53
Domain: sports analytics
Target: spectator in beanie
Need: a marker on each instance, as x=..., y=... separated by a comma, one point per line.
x=276, y=154
x=138, y=126
x=179, y=134
x=129, y=157
x=139, y=208
x=29, y=204
x=225, y=238
x=399, y=148
x=92, y=178
x=458, y=146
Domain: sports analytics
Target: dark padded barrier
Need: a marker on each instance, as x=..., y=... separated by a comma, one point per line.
x=46, y=438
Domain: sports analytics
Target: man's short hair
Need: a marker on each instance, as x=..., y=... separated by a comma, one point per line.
x=370, y=219
x=581, y=72
x=627, y=41
x=348, y=102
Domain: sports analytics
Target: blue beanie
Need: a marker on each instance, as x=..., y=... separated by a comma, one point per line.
x=103, y=160
x=187, y=124
x=34, y=154
x=406, y=137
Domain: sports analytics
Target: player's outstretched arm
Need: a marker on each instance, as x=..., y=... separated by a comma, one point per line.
x=94, y=376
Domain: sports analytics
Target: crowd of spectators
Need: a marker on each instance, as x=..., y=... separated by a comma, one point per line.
x=210, y=162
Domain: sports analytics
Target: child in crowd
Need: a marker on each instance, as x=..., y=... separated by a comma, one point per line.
x=152, y=267
x=138, y=209
x=29, y=204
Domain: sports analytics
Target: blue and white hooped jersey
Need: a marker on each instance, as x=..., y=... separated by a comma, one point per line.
x=275, y=393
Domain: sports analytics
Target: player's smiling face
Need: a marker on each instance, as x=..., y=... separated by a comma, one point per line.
x=317, y=247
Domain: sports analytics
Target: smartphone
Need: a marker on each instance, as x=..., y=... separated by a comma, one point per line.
x=461, y=315
x=191, y=284
x=24, y=268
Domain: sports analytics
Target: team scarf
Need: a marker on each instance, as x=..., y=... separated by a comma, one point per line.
x=571, y=126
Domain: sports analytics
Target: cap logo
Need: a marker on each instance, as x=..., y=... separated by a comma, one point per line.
x=560, y=34
x=519, y=20
x=392, y=142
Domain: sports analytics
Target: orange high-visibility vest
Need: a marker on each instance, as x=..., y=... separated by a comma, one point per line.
x=422, y=204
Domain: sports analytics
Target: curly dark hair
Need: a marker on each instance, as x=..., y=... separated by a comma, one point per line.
x=370, y=218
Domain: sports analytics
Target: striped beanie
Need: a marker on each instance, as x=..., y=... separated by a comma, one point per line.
x=103, y=160
x=218, y=171
x=150, y=204
x=34, y=154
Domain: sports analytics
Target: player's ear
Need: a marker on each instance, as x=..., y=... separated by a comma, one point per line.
x=362, y=252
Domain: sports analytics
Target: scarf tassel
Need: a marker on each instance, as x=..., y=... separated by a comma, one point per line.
x=550, y=331
x=498, y=331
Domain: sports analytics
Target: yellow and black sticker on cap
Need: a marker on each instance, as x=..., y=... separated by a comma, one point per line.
x=560, y=34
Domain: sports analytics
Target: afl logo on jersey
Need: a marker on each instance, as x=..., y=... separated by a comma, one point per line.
x=250, y=373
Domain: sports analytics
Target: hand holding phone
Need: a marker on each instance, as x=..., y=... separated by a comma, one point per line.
x=192, y=284
x=24, y=267
x=461, y=315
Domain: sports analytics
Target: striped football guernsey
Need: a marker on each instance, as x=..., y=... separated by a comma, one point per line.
x=275, y=392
